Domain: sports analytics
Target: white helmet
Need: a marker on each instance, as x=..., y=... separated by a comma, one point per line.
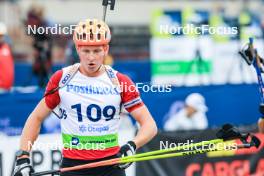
x=91, y=32
x=196, y=101
x=3, y=29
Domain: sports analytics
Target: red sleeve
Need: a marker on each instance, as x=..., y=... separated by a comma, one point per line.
x=53, y=99
x=130, y=94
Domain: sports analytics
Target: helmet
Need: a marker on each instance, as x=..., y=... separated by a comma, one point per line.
x=91, y=32
x=3, y=29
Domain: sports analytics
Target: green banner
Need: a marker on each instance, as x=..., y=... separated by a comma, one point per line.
x=181, y=67
x=90, y=142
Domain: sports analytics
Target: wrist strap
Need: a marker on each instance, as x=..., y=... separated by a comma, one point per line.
x=132, y=143
x=22, y=161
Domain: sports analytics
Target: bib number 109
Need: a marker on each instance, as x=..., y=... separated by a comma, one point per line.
x=107, y=112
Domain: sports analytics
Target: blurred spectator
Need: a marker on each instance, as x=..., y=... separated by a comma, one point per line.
x=174, y=108
x=42, y=44
x=6, y=62
x=71, y=54
x=191, y=117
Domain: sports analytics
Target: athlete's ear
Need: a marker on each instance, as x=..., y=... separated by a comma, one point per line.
x=78, y=49
x=106, y=49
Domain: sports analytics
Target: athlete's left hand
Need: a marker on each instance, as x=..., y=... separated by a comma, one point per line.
x=128, y=149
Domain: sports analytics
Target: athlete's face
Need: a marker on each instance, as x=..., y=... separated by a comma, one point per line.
x=190, y=111
x=91, y=58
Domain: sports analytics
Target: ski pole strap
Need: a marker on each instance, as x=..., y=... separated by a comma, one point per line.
x=70, y=72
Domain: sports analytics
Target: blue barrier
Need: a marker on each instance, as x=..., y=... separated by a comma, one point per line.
x=237, y=104
x=15, y=108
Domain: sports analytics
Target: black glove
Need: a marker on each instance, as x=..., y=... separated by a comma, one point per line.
x=23, y=167
x=128, y=149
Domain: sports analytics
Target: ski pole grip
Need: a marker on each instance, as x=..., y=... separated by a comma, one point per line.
x=109, y=2
x=105, y=2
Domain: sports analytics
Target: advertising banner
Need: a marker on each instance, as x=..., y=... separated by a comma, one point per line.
x=191, y=47
x=243, y=162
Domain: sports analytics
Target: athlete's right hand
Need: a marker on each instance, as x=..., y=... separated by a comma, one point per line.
x=23, y=167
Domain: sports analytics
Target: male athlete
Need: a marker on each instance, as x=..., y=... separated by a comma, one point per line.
x=87, y=97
